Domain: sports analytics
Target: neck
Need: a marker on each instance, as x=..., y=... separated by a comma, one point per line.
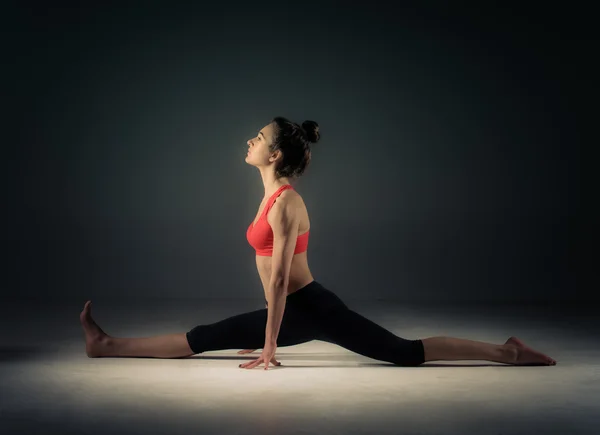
x=270, y=183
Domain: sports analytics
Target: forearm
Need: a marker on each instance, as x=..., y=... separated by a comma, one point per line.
x=275, y=309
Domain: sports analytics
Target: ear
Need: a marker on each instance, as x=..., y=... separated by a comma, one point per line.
x=277, y=155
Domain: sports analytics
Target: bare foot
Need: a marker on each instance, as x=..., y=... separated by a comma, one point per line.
x=527, y=356
x=95, y=338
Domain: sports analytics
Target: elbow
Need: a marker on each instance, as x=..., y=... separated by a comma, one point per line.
x=279, y=284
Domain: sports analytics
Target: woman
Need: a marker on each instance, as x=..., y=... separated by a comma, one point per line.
x=299, y=309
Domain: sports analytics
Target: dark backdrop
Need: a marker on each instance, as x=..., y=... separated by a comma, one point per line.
x=448, y=169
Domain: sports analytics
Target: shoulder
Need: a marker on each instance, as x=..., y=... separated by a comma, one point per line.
x=287, y=206
x=289, y=196
x=289, y=199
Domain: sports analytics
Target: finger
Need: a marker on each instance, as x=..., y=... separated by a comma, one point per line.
x=266, y=364
x=246, y=351
x=253, y=364
x=275, y=362
x=246, y=364
x=250, y=364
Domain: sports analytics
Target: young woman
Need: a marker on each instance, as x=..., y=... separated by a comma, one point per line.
x=299, y=308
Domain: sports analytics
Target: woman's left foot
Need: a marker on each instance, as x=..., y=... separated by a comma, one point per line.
x=95, y=338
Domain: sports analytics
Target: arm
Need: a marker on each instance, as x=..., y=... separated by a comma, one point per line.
x=284, y=221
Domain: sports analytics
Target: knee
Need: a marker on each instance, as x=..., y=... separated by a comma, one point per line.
x=412, y=355
x=196, y=337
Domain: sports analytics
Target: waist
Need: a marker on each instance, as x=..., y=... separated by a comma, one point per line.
x=301, y=291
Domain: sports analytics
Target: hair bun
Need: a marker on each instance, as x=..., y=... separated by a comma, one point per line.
x=312, y=131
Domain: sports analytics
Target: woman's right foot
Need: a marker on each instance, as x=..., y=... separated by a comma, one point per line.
x=526, y=355
x=96, y=339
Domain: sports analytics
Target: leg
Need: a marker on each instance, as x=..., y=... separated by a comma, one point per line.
x=513, y=351
x=354, y=332
x=340, y=325
x=247, y=331
x=450, y=348
x=237, y=332
x=159, y=346
x=100, y=344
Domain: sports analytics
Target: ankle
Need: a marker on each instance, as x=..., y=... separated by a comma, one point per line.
x=510, y=353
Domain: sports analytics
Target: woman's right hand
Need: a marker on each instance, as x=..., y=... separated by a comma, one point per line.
x=273, y=360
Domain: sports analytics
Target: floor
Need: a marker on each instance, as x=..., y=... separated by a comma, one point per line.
x=49, y=383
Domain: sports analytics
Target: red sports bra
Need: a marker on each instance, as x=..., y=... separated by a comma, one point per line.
x=260, y=236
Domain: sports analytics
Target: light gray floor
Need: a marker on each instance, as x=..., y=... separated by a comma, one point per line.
x=48, y=383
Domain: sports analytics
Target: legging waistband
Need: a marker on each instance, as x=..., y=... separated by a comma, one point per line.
x=301, y=292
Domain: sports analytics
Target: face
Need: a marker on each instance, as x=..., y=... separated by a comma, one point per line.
x=258, y=147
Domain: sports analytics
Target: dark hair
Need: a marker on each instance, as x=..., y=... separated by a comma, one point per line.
x=294, y=141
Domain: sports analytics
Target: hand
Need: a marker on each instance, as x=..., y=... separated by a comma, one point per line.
x=268, y=355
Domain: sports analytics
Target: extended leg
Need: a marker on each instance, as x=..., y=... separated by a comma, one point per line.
x=513, y=351
x=348, y=329
x=158, y=346
x=354, y=332
x=247, y=331
x=451, y=348
x=100, y=344
x=242, y=331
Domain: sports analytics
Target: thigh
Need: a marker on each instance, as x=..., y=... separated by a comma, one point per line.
x=349, y=329
x=247, y=331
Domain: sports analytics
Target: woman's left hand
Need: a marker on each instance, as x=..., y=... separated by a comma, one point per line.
x=268, y=355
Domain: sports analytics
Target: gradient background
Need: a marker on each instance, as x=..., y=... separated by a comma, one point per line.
x=448, y=169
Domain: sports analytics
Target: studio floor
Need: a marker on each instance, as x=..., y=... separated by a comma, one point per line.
x=49, y=384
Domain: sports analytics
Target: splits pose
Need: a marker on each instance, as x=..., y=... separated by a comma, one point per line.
x=298, y=308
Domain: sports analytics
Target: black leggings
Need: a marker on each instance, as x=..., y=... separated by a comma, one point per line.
x=311, y=313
